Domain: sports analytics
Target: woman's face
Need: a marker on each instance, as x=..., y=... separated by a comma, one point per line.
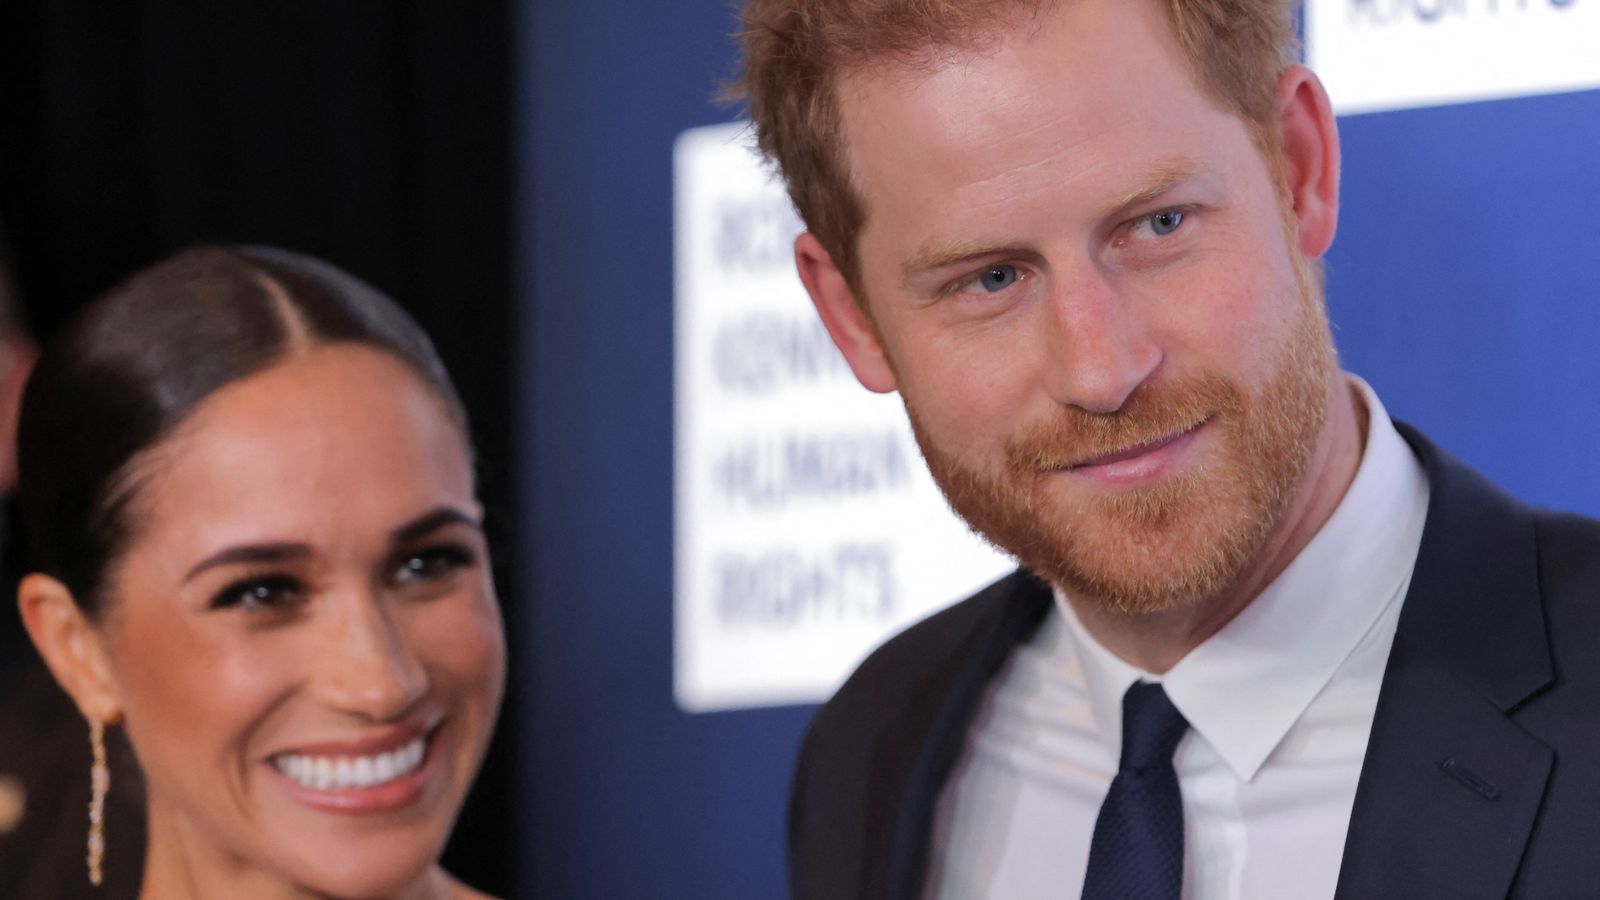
x=303, y=634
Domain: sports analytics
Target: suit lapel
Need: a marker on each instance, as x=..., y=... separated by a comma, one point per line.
x=1451, y=786
x=1448, y=796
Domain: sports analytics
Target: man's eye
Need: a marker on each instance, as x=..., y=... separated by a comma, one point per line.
x=271, y=592
x=1166, y=222
x=997, y=278
x=432, y=564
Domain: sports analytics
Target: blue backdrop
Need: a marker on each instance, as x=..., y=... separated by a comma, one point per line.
x=1465, y=283
x=624, y=796
x=1462, y=285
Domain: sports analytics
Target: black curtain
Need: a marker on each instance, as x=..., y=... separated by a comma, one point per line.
x=373, y=133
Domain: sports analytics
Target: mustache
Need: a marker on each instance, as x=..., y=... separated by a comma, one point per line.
x=1152, y=413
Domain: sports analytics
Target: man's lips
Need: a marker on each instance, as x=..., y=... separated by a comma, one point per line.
x=1134, y=451
x=1138, y=461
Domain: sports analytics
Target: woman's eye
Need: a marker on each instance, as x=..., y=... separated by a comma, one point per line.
x=997, y=278
x=1166, y=221
x=432, y=564
x=274, y=592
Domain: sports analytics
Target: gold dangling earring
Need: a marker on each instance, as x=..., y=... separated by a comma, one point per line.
x=99, y=784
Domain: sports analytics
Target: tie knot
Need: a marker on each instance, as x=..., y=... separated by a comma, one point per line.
x=1151, y=728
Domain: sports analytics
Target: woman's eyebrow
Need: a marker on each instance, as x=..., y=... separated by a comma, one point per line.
x=286, y=551
x=433, y=521
x=250, y=553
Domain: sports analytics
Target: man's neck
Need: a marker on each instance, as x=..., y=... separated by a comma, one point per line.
x=1155, y=642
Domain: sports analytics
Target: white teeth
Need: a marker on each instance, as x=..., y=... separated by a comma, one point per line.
x=321, y=773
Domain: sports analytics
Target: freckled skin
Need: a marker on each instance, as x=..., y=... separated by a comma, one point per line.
x=1023, y=153
x=332, y=449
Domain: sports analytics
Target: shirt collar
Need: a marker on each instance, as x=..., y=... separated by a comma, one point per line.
x=1246, y=686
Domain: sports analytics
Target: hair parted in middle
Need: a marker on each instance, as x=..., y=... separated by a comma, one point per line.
x=796, y=52
x=134, y=364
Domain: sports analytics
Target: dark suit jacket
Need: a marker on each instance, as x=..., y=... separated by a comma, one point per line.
x=1481, y=779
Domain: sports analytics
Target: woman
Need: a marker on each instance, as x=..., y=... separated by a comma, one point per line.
x=247, y=488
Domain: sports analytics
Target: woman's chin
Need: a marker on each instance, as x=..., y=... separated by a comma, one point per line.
x=356, y=864
x=390, y=878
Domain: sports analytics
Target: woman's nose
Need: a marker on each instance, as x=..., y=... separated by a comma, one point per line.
x=369, y=667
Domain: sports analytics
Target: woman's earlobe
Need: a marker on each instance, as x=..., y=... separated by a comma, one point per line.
x=72, y=646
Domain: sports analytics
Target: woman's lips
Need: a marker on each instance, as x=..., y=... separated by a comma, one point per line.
x=347, y=782
x=371, y=741
x=326, y=772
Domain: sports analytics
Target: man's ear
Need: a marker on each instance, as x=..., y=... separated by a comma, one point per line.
x=844, y=317
x=71, y=645
x=1311, y=157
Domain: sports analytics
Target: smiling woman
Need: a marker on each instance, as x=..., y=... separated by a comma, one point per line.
x=256, y=545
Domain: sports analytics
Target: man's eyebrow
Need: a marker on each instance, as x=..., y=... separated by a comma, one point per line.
x=944, y=254
x=936, y=255
x=1164, y=177
x=433, y=521
x=249, y=553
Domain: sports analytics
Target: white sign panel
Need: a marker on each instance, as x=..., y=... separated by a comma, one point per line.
x=808, y=529
x=1392, y=54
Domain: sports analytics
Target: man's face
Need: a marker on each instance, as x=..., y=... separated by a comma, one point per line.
x=1078, y=267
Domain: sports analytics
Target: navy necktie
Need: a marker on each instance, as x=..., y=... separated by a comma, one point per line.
x=1137, y=850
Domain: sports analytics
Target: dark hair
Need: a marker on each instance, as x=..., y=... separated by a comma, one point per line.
x=137, y=361
x=10, y=310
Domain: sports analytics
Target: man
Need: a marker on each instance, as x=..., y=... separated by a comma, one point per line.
x=1265, y=643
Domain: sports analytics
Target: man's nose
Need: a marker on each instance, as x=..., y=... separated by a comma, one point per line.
x=368, y=666
x=1100, y=348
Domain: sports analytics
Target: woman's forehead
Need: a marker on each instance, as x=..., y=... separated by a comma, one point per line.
x=341, y=436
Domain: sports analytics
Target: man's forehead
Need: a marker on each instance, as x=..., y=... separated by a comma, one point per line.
x=1006, y=90
x=1014, y=60
x=1103, y=94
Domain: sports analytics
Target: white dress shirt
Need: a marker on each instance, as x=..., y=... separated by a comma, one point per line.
x=1280, y=705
